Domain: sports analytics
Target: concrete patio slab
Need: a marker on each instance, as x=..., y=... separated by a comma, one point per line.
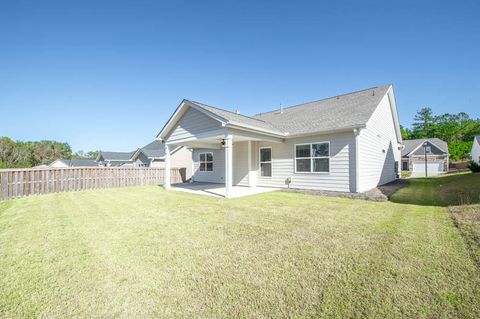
x=218, y=190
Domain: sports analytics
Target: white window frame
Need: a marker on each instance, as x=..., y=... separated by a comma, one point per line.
x=428, y=150
x=206, y=162
x=311, y=158
x=267, y=162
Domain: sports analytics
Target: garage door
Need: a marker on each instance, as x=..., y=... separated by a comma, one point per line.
x=433, y=168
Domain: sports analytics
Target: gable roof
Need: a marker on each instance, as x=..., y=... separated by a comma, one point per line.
x=154, y=149
x=478, y=139
x=77, y=162
x=412, y=145
x=115, y=156
x=342, y=112
x=239, y=119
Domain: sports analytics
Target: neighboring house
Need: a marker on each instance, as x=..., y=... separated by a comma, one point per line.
x=74, y=162
x=113, y=159
x=413, y=156
x=346, y=143
x=153, y=155
x=475, y=153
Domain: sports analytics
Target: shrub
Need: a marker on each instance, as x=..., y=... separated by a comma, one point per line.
x=474, y=167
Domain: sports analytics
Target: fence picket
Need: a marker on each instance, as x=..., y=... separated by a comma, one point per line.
x=34, y=181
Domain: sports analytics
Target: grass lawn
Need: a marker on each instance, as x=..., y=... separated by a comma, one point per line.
x=145, y=252
x=443, y=190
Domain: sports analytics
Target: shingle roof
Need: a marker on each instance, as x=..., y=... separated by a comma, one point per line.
x=116, y=156
x=234, y=118
x=340, y=112
x=410, y=145
x=154, y=149
x=82, y=162
x=78, y=162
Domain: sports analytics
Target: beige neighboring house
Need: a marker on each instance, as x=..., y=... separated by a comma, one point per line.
x=475, y=153
x=153, y=155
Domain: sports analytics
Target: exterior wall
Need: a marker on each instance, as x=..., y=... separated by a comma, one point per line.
x=240, y=163
x=430, y=158
x=192, y=123
x=183, y=159
x=475, y=151
x=342, y=164
x=434, y=150
x=378, y=149
x=58, y=164
x=218, y=173
x=141, y=161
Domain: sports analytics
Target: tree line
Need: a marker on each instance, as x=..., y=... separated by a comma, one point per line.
x=458, y=130
x=15, y=154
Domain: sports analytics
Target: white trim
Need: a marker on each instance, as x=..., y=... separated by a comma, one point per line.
x=206, y=162
x=421, y=144
x=215, y=133
x=311, y=158
x=356, y=132
x=325, y=132
x=260, y=162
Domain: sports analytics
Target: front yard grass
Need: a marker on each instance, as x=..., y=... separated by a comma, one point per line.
x=145, y=252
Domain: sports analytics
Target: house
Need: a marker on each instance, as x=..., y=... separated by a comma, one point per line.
x=475, y=153
x=74, y=162
x=346, y=143
x=153, y=155
x=112, y=159
x=413, y=156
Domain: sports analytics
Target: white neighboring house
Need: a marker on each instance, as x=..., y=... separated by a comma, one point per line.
x=475, y=153
x=346, y=143
x=74, y=162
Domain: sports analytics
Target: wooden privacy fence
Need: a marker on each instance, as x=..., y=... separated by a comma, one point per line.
x=32, y=181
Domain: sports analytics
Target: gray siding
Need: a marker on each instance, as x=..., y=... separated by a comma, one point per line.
x=192, y=123
x=240, y=163
x=218, y=173
x=142, y=159
x=378, y=148
x=435, y=150
x=342, y=168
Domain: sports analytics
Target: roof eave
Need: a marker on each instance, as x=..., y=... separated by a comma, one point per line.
x=330, y=131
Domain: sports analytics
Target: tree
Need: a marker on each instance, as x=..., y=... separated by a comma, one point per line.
x=424, y=123
x=406, y=133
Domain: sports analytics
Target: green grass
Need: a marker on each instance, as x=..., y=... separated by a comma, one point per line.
x=445, y=190
x=145, y=252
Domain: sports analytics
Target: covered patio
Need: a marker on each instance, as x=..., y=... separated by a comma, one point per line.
x=228, y=157
x=218, y=190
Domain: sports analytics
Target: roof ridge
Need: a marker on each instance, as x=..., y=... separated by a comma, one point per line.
x=250, y=117
x=324, y=99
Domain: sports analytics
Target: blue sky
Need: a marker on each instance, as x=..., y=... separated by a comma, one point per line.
x=108, y=74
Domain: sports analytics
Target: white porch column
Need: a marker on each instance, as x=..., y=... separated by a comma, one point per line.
x=228, y=166
x=251, y=177
x=166, y=176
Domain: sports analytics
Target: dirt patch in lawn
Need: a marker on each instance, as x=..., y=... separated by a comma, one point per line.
x=379, y=194
x=467, y=220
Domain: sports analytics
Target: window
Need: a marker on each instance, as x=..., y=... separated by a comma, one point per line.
x=312, y=158
x=266, y=161
x=428, y=150
x=206, y=162
x=404, y=166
